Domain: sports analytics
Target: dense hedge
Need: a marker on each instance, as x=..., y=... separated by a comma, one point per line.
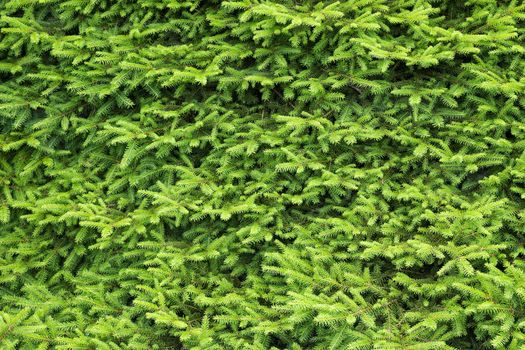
x=262, y=174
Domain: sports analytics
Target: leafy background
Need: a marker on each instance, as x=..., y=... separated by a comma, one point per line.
x=262, y=174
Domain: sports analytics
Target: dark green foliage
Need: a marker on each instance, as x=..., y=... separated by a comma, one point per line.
x=262, y=174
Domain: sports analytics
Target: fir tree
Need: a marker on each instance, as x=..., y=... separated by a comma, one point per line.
x=262, y=174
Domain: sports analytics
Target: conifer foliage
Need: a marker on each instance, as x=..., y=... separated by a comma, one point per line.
x=262, y=174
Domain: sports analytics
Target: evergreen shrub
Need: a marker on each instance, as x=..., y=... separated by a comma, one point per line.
x=262, y=174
